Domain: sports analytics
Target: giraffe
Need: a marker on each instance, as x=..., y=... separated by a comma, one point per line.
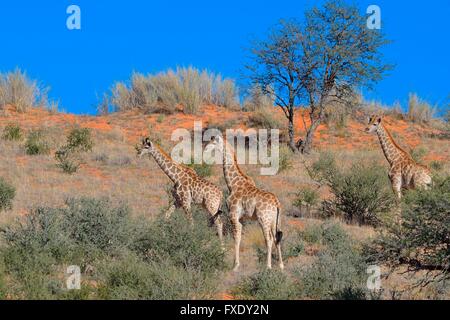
x=404, y=172
x=246, y=201
x=188, y=186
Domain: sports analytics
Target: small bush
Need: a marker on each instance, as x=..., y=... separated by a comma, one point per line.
x=418, y=154
x=329, y=234
x=265, y=285
x=421, y=241
x=339, y=268
x=124, y=257
x=12, y=132
x=436, y=165
x=203, y=170
x=78, y=141
x=285, y=158
x=193, y=248
x=66, y=161
x=361, y=194
x=133, y=279
x=323, y=168
x=35, y=143
x=36, y=250
x=293, y=245
x=7, y=194
x=306, y=199
x=2, y=281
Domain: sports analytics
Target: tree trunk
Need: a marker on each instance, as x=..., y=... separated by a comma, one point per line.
x=310, y=136
x=291, y=130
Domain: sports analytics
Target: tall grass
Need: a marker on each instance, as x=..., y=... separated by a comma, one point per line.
x=188, y=88
x=256, y=99
x=419, y=110
x=18, y=90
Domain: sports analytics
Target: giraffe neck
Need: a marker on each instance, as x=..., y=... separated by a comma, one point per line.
x=232, y=172
x=170, y=168
x=391, y=150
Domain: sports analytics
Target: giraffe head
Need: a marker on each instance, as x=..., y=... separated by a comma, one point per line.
x=217, y=143
x=374, y=123
x=145, y=148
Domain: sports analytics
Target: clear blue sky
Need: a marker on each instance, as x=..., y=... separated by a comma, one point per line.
x=118, y=37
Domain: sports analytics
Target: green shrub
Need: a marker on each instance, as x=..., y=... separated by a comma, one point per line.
x=66, y=160
x=85, y=230
x=12, y=132
x=191, y=247
x=361, y=194
x=339, y=268
x=78, y=141
x=285, y=158
x=36, y=144
x=203, y=170
x=436, y=165
x=133, y=279
x=293, y=245
x=418, y=154
x=160, y=118
x=323, y=168
x=329, y=234
x=85, y=227
x=124, y=257
x=265, y=285
x=312, y=234
x=306, y=199
x=2, y=281
x=7, y=194
x=422, y=240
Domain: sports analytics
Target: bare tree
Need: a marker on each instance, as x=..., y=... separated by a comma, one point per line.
x=320, y=61
x=276, y=68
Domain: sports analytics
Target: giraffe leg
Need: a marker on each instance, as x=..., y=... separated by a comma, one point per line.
x=219, y=226
x=215, y=213
x=396, y=181
x=169, y=211
x=278, y=245
x=237, y=232
x=183, y=200
x=269, y=244
x=188, y=211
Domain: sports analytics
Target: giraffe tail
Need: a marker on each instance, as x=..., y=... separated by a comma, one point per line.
x=278, y=234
